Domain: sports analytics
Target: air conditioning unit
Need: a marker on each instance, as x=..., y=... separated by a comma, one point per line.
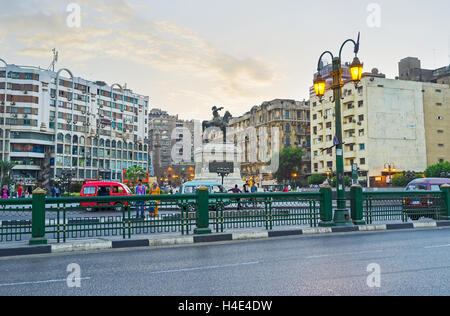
x=25, y=116
x=13, y=103
x=53, y=96
x=359, y=123
x=14, y=115
x=52, y=119
x=325, y=117
x=25, y=92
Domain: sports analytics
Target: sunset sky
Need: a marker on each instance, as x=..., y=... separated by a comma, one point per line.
x=188, y=55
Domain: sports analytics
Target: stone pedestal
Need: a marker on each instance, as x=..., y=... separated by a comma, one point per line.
x=220, y=153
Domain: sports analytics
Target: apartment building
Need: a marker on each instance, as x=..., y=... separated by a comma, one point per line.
x=166, y=133
x=52, y=122
x=384, y=121
x=292, y=120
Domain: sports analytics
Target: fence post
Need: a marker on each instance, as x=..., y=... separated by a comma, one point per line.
x=202, y=211
x=326, y=207
x=356, y=202
x=446, y=199
x=38, y=218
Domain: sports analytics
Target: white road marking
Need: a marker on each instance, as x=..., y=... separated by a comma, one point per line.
x=40, y=282
x=344, y=254
x=438, y=246
x=207, y=267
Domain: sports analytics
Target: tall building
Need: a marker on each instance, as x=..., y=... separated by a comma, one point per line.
x=291, y=118
x=166, y=132
x=410, y=69
x=384, y=121
x=50, y=123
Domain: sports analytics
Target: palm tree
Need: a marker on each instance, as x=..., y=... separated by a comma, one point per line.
x=5, y=169
x=134, y=174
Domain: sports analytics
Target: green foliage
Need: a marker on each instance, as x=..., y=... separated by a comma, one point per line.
x=134, y=174
x=434, y=171
x=317, y=179
x=347, y=181
x=75, y=187
x=5, y=169
x=401, y=181
x=290, y=161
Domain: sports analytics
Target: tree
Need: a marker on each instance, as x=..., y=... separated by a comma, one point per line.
x=436, y=170
x=5, y=169
x=347, y=181
x=400, y=180
x=290, y=163
x=134, y=174
x=317, y=179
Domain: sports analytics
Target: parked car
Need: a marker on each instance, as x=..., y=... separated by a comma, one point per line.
x=102, y=189
x=213, y=188
x=425, y=205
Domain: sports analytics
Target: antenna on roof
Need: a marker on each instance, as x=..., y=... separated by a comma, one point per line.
x=55, y=60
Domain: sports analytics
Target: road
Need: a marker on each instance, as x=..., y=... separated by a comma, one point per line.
x=411, y=262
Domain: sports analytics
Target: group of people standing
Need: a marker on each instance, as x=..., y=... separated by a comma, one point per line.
x=20, y=192
x=141, y=189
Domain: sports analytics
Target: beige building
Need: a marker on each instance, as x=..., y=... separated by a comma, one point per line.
x=292, y=121
x=385, y=121
x=437, y=122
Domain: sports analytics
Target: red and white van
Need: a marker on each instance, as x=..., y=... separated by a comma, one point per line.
x=102, y=189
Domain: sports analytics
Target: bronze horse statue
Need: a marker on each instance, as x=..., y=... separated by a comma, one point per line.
x=217, y=121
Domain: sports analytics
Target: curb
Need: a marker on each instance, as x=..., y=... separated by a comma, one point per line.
x=101, y=244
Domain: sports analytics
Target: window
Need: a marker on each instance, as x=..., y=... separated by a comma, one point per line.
x=441, y=145
x=362, y=146
x=361, y=117
x=360, y=104
x=439, y=104
x=286, y=114
x=440, y=131
x=315, y=117
x=362, y=161
x=439, y=118
x=288, y=128
x=361, y=132
x=89, y=190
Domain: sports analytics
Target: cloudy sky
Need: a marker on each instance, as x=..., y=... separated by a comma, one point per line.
x=189, y=55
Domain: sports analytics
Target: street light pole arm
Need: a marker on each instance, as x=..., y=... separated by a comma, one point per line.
x=320, y=59
x=356, y=50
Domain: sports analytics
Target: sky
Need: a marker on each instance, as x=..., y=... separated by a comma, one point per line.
x=189, y=55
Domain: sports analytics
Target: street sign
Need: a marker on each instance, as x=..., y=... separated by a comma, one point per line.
x=221, y=167
x=335, y=141
x=355, y=171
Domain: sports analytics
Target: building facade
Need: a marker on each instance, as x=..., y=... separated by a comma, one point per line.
x=52, y=122
x=292, y=121
x=384, y=122
x=166, y=134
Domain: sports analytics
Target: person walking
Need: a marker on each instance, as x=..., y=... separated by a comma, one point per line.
x=155, y=190
x=140, y=205
x=236, y=190
x=254, y=189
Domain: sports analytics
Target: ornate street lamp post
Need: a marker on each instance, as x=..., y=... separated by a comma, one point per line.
x=341, y=214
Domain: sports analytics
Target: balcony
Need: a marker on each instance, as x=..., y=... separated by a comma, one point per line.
x=350, y=140
x=349, y=126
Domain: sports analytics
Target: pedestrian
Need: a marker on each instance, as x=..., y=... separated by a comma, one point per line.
x=140, y=205
x=5, y=192
x=236, y=190
x=53, y=190
x=254, y=189
x=20, y=192
x=57, y=192
x=155, y=191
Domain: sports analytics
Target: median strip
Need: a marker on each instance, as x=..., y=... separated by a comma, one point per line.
x=170, y=240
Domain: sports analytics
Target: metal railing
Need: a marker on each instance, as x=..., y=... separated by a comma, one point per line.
x=62, y=219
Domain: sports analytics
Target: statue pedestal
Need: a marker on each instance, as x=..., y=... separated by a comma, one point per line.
x=220, y=153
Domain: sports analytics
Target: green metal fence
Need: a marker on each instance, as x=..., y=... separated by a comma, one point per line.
x=61, y=219
x=403, y=206
x=15, y=219
x=266, y=211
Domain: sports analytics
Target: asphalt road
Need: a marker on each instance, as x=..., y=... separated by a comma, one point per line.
x=411, y=263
